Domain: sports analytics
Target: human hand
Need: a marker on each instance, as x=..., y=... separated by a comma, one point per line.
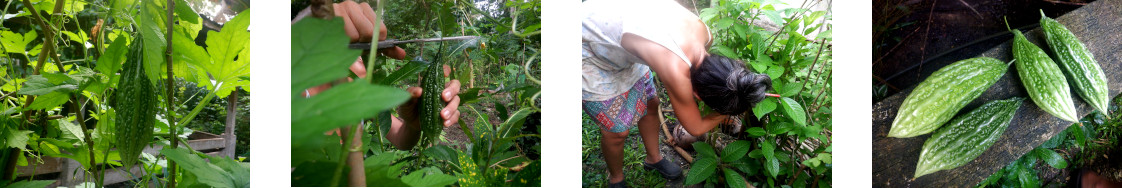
x=449, y=113
x=359, y=21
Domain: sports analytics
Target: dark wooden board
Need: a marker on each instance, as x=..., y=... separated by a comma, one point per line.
x=1098, y=25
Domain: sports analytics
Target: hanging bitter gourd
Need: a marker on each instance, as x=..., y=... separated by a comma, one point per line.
x=1079, y=64
x=1042, y=78
x=135, y=106
x=432, y=85
x=939, y=97
x=966, y=137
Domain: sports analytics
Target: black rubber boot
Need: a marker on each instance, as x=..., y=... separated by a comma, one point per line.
x=620, y=184
x=668, y=169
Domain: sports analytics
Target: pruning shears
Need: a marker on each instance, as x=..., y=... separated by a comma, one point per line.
x=390, y=43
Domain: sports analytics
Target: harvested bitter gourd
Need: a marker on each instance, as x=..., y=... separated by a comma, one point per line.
x=1079, y=64
x=939, y=97
x=135, y=106
x=966, y=137
x=1043, y=80
x=432, y=84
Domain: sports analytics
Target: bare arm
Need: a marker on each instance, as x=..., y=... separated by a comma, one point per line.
x=675, y=76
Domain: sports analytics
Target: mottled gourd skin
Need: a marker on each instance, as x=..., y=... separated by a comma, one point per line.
x=1042, y=78
x=135, y=106
x=938, y=98
x=966, y=137
x=432, y=84
x=1079, y=64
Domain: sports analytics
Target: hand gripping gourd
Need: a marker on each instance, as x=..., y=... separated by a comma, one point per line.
x=938, y=98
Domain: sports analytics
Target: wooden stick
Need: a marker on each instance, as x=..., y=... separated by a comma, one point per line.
x=670, y=139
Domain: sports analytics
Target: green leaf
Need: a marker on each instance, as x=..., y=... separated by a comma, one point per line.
x=513, y=125
x=1056, y=140
x=40, y=85
x=756, y=131
x=775, y=71
x=758, y=46
x=319, y=53
x=470, y=96
x=49, y=6
x=49, y=101
x=735, y=150
x=704, y=150
x=708, y=14
x=726, y=51
x=428, y=177
x=1051, y=157
x=701, y=169
x=206, y=173
x=14, y=138
x=31, y=184
x=239, y=171
x=224, y=47
x=339, y=106
x=71, y=129
x=795, y=111
x=188, y=58
x=771, y=164
x=790, y=89
x=1027, y=177
x=724, y=23
x=110, y=61
x=764, y=107
x=152, y=32
x=410, y=69
x=185, y=12
x=15, y=42
x=779, y=127
x=733, y=179
x=442, y=152
x=79, y=39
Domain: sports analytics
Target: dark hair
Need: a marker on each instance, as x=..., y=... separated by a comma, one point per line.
x=725, y=85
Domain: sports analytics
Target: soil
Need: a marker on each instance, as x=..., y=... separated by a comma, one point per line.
x=454, y=135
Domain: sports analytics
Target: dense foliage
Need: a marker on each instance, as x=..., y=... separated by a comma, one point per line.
x=497, y=140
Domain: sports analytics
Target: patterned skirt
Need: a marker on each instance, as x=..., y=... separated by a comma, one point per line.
x=622, y=112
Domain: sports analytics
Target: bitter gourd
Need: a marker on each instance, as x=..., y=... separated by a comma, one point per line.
x=1043, y=80
x=939, y=97
x=432, y=85
x=966, y=137
x=1079, y=64
x=135, y=106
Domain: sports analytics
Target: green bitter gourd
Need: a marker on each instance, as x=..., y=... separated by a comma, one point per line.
x=135, y=106
x=966, y=137
x=1042, y=79
x=1078, y=62
x=939, y=97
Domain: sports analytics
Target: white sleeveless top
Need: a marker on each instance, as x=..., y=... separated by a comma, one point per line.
x=608, y=69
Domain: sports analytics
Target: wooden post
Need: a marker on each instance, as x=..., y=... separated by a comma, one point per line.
x=231, y=115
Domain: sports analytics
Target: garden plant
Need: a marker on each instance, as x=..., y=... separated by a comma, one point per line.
x=97, y=82
x=496, y=141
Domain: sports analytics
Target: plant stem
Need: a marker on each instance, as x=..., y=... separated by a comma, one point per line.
x=374, y=52
x=170, y=80
x=77, y=110
x=199, y=107
x=342, y=157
